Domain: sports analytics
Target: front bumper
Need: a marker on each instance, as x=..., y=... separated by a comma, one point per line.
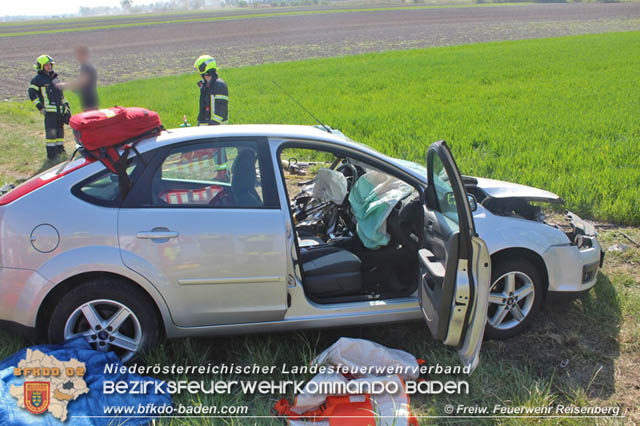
x=572, y=269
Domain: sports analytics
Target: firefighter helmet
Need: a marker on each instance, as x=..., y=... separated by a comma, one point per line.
x=42, y=61
x=204, y=64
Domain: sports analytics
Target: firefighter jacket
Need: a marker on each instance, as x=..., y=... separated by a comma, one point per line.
x=44, y=94
x=214, y=102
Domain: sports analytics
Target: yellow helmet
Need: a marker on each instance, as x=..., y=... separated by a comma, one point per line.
x=204, y=64
x=42, y=61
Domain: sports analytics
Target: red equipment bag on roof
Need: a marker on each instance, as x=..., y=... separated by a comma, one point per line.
x=102, y=132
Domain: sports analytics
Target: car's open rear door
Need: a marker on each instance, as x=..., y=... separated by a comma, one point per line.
x=454, y=262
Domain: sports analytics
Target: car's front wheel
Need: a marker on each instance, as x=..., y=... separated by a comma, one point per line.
x=112, y=315
x=515, y=297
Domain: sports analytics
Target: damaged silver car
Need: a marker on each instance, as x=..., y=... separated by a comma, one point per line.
x=211, y=239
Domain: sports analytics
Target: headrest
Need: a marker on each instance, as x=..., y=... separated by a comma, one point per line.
x=243, y=171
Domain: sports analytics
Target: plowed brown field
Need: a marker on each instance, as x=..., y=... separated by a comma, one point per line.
x=125, y=53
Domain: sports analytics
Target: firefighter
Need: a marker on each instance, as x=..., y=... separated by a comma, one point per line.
x=51, y=103
x=214, y=95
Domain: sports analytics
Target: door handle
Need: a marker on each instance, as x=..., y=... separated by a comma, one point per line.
x=157, y=234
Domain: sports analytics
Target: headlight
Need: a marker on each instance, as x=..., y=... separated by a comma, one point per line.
x=583, y=242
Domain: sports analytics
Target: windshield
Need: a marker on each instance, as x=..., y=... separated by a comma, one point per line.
x=422, y=170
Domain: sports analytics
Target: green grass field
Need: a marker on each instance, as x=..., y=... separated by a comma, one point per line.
x=560, y=114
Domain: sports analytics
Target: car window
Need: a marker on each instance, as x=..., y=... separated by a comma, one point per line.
x=212, y=175
x=104, y=186
x=207, y=163
x=444, y=192
x=300, y=165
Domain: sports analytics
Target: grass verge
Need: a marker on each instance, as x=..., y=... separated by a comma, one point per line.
x=581, y=353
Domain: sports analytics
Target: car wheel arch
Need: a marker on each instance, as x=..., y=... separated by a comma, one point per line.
x=58, y=291
x=524, y=253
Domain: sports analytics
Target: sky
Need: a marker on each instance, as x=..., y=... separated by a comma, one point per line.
x=53, y=7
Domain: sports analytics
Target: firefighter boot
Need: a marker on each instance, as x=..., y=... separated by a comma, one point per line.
x=52, y=152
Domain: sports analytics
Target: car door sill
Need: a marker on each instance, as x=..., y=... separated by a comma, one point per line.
x=302, y=322
x=230, y=280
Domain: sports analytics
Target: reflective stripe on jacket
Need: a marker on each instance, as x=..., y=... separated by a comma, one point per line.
x=44, y=94
x=214, y=102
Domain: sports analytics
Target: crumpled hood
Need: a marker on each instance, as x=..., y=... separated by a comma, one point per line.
x=493, y=188
x=501, y=189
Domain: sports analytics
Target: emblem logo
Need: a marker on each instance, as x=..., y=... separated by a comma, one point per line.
x=36, y=396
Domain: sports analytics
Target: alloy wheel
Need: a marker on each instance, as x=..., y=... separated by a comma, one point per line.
x=510, y=300
x=108, y=326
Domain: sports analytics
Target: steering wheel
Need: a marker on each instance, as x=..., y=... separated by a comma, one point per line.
x=222, y=198
x=350, y=172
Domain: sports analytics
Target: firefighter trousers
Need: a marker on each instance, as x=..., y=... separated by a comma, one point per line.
x=54, y=134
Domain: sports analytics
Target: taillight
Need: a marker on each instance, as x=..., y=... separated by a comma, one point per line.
x=35, y=183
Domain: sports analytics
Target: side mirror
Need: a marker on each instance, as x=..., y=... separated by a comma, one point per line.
x=473, y=203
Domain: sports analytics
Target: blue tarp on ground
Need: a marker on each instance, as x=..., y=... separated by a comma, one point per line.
x=88, y=404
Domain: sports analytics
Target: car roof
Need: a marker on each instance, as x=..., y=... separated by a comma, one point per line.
x=272, y=131
x=177, y=135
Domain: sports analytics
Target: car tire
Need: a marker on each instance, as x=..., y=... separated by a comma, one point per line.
x=515, y=296
x=111, y=314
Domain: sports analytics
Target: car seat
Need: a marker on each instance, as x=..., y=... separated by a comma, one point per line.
x=330, y=271
x=243, y=180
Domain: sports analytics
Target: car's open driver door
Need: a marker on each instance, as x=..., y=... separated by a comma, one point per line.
x=455, y=267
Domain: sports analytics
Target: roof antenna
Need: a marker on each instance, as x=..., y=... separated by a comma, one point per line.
x=328, y=129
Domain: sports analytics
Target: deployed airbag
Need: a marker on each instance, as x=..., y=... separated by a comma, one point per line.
x=372, y=198
x=330, y=186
